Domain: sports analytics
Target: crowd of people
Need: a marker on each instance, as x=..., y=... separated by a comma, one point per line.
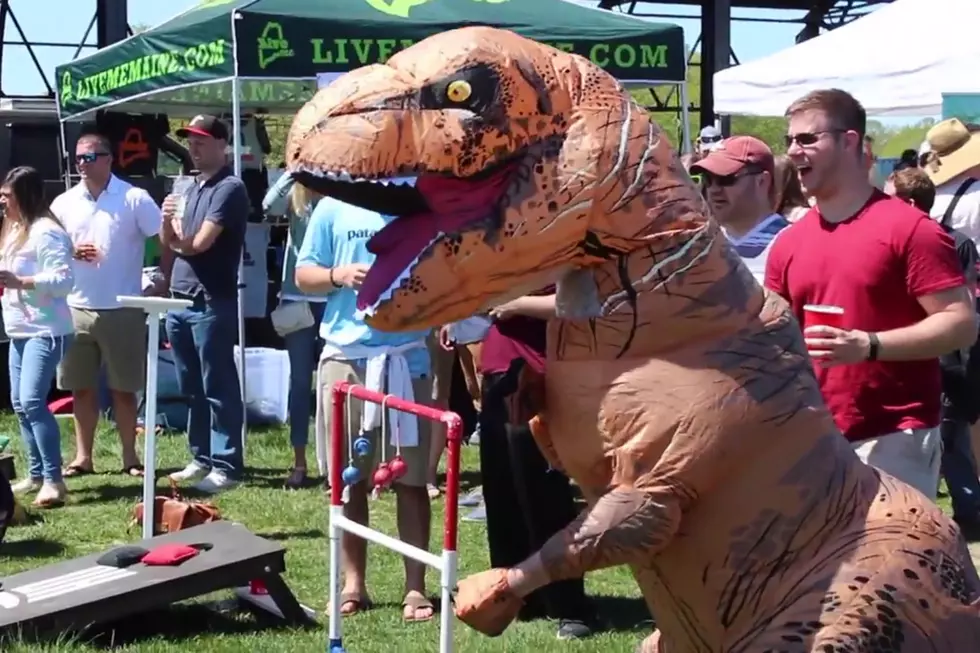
x=900, y=263
x=63, y=269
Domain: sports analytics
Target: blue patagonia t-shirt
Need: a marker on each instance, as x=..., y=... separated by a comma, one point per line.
x=337, y=235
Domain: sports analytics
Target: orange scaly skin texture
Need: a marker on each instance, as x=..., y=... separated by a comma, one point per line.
x=678, y=393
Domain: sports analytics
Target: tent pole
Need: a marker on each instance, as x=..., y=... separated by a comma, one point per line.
x=685, y=120
x=236, y=121
x=65, y=161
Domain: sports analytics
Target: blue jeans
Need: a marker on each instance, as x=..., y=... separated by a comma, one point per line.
x=203, y=340
x=959, y=468
x=33, y=364
x=303, y=347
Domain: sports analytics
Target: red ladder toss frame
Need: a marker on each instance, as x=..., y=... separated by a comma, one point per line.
x=447, y=563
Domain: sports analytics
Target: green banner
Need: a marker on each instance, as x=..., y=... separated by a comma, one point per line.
x=152, y=66
x=184, y=60
x=294, y=47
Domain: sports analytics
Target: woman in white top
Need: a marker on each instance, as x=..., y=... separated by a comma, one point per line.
x=35, y=277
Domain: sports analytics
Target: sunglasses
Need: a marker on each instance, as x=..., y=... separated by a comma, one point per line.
x=89, y=157
x=726, y=181
x=804, y=139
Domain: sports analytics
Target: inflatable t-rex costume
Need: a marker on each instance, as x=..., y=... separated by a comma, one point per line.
x=679, y=395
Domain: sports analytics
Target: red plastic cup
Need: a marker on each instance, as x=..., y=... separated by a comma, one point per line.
x=822, y=315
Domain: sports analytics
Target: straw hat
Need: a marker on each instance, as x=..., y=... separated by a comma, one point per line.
x=954, y=148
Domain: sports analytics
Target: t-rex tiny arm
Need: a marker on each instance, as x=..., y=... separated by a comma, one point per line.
x=627, y=525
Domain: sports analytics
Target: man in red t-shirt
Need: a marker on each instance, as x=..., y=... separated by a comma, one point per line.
x=895, y=274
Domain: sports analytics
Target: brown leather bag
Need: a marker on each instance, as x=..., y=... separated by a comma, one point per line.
x=175, y=513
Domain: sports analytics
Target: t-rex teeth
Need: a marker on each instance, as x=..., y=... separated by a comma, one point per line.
x=403, y=276
x=340, y=176
x=317, y=172
x=364, y=313
x=404, y=181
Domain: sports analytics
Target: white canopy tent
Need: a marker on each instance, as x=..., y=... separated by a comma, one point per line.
x=897, y=61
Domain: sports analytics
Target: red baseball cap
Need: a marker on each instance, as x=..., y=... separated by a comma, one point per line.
x=735, y=153
x=205, y=125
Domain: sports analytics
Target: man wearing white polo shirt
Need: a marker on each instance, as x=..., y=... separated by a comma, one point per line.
x=109, y=222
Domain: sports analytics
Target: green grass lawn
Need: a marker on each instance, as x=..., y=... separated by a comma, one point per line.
x=96, y=519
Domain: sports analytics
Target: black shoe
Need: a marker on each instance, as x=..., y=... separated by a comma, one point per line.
x=573, y=629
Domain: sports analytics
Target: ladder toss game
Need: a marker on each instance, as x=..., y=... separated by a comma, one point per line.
x=342, y=393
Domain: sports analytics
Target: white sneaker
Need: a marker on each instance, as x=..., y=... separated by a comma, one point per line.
x=216, y=482
x=26, y=486
x=194, y=471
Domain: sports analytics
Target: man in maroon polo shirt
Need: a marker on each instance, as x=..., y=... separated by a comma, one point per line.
x=526, y=501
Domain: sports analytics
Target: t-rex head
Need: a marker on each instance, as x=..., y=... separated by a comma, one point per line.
x=529, y=163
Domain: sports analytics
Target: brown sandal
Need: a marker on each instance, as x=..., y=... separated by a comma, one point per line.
x=359, y=602
x=136, y=471
x=76, y=470
x=417, y=602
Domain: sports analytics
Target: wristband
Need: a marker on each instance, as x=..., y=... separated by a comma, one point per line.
x=874, y=345
x=333, y=281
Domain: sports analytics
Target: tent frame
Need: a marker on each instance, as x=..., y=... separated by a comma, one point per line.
x=237, y=168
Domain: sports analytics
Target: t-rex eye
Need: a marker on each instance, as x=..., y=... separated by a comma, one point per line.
x=459, y=91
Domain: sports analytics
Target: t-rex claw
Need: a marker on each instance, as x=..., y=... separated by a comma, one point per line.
x=485, y=602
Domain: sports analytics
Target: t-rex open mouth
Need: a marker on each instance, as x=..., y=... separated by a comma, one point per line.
x=431, y=208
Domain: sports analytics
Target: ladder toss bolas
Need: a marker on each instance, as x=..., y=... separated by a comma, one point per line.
x=384, y=475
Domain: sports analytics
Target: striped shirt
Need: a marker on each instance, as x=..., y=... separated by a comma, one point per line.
x=754, y=246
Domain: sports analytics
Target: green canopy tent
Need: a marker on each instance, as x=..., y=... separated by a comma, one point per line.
x=276, y=48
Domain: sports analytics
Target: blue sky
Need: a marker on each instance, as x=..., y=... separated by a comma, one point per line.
x=19, y=76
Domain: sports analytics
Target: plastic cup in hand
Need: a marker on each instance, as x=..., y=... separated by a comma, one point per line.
x=181, y=187
x=180, y=206
x=822, y=315
x=179, y=191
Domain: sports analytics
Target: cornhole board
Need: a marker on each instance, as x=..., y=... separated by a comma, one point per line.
x=80, y=593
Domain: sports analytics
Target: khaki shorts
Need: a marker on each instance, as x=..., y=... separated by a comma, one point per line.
x=442, y=370
x=113, y=338
x=416, y=458
x=912, y=456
